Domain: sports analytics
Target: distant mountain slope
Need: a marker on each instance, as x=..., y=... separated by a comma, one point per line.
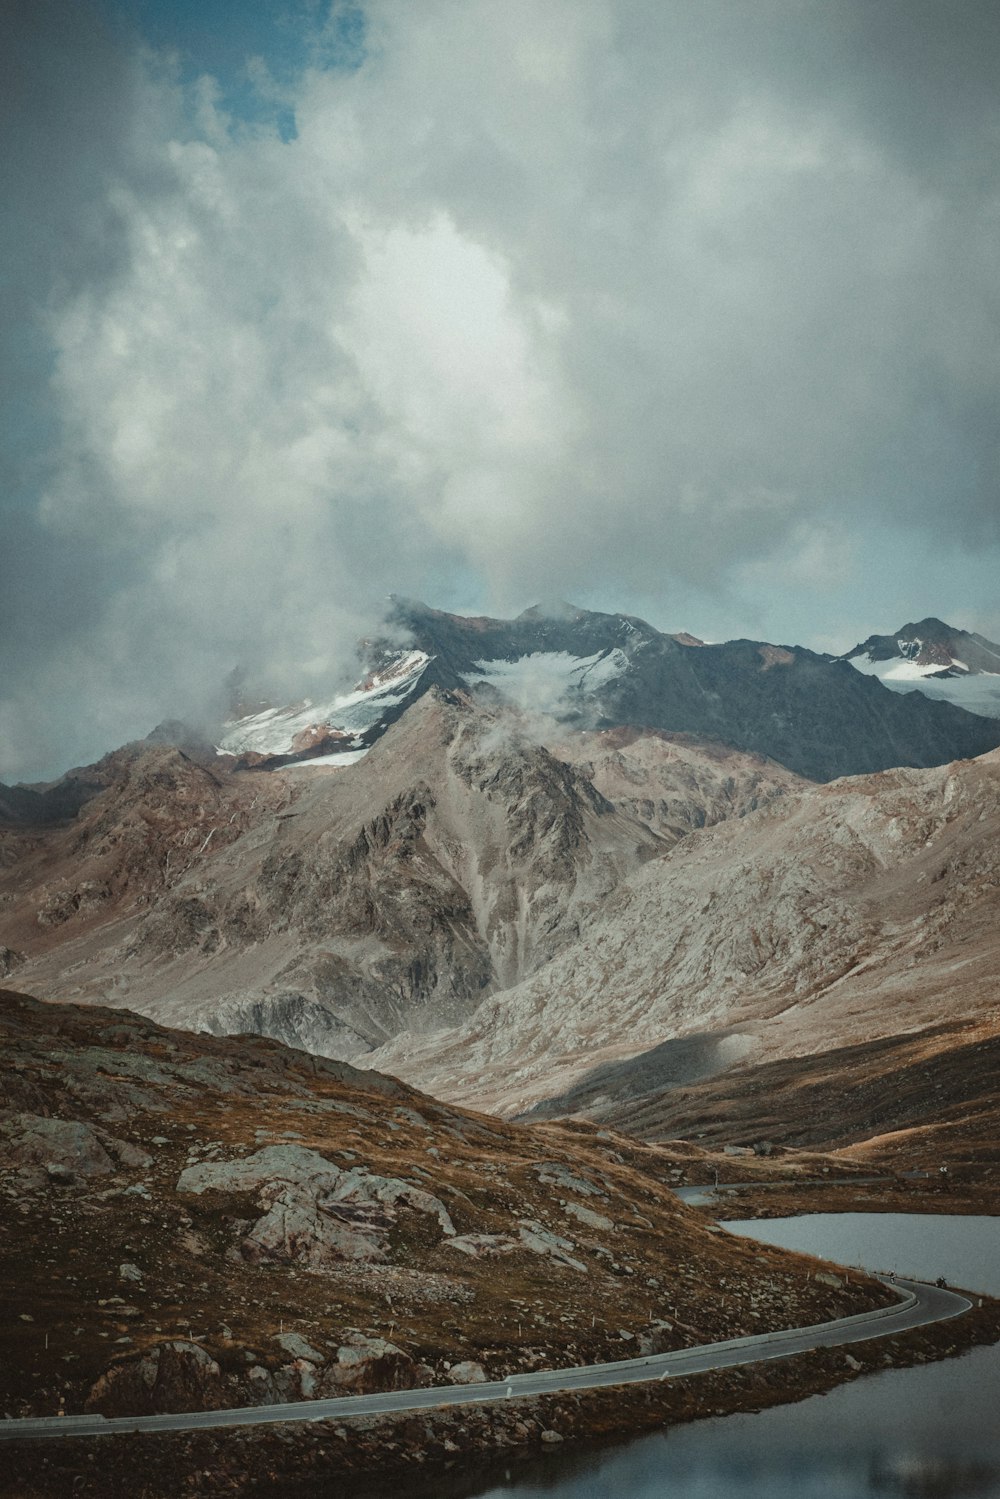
x=511, y=880
x=937, y=660
x=835, y=915
x=672, y=782
x=923, y=1097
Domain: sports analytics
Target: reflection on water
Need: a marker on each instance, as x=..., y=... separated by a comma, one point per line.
x=927, y=1433
x=929, y=1478
x=964, y=1249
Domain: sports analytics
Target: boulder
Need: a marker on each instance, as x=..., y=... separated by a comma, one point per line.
x=541, y=1240
x=294, y=1381
x=62, y=1148
x=555, y=1174
x=588, y=1216
x=128, y=1155
x=484, y=1246
x=296, y=1345
x=316, y=1214
x=658, y=1337
x=467, y=1372
x=178, y=1375
x=366, y=1365
x=293, y=1164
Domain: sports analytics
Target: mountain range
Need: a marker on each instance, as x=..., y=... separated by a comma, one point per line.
x=814, y=714
x=546, y=863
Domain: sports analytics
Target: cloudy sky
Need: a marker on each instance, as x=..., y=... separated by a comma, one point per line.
x=687, y=310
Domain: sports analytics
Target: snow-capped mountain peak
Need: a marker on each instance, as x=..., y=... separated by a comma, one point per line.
x=937, y=659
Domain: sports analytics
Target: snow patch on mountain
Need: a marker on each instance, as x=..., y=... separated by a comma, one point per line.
x=977, y=692
x=544, y=680
x=275, y=730
x=344, y=757
x=937, y=659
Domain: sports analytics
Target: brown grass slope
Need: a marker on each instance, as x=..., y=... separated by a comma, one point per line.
x=899, y=1104
x=139, y=1271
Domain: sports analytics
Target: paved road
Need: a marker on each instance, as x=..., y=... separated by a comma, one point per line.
x=701, y=1196
x=919, y=1304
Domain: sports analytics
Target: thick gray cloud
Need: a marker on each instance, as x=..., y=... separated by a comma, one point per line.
x=612, y=301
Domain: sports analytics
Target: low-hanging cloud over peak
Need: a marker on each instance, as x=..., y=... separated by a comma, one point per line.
x=585, y=298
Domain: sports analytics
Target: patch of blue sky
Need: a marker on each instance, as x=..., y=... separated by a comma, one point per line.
x=254, y=52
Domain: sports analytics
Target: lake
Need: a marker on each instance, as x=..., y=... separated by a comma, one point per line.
x=927, y=1433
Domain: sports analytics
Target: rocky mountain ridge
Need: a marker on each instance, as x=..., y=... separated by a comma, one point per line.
x=782, y=702
x=932, y=643
x=599, y=671
x=329, y=908
x=495, y=901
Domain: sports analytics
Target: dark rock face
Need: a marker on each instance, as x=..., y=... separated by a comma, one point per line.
x=457, y=643
x=811, y=713
x=64, y=1149
x=9, y=960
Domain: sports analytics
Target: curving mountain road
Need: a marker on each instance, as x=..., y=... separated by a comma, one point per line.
x=919, y=1305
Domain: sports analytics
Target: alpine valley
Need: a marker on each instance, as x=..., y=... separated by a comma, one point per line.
x=645, y=900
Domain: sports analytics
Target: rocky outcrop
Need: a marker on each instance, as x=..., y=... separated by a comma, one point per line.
x=178, y=1375
x=59, y=1149
x=9, y=960
x=541, y=1240
x=363, y=1365
x=316, y=1214
x=484, y=1246
x=181, y=1375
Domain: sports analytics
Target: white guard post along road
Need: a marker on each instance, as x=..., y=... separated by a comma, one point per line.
x=919, y=1305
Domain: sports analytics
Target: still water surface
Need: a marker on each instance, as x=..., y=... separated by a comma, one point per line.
x=926, y=1433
